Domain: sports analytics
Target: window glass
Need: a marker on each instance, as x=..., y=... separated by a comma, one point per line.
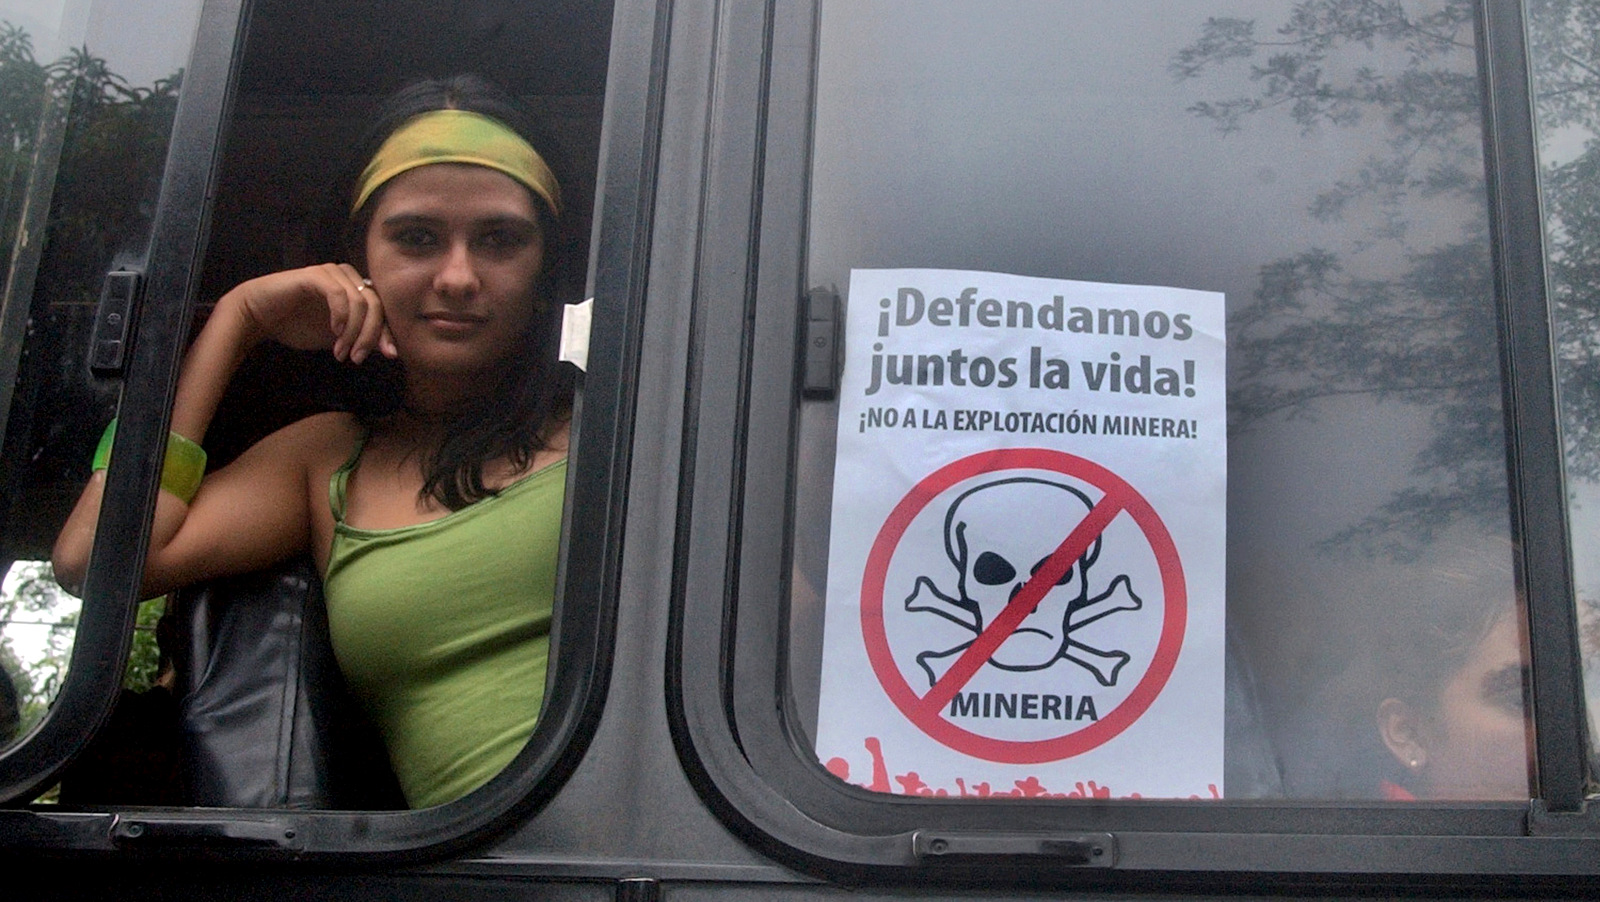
x=1566, y=58
x=87, y=95
x=1311, y=178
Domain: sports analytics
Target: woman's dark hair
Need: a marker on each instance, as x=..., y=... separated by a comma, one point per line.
x=534, y=389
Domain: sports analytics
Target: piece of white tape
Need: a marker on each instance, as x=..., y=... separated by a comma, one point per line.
x=575, y=321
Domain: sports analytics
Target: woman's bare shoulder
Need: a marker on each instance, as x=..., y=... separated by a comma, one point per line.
x=320, y=441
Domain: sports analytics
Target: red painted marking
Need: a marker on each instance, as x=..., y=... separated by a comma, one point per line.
x=1028, y=787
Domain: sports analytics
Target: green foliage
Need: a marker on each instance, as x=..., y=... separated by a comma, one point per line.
x=16, y=684
x=38, y=603
x=144, y=658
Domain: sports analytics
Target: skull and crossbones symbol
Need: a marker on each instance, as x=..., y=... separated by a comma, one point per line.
x=997, y=535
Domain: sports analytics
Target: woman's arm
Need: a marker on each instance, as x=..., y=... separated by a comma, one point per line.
x=254, y=511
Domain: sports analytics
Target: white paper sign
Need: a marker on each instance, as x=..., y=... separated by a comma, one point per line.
x=1026, y=568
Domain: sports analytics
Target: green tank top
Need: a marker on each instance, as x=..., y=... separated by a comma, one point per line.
x=442, y=629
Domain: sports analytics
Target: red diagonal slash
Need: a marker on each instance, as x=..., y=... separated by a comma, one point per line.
x=1027, y=598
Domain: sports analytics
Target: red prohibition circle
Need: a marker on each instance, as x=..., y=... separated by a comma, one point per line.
x=931, y=720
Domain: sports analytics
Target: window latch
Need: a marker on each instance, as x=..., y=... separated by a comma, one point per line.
x=1087, y=850
x=113, y=321
x=820, y=377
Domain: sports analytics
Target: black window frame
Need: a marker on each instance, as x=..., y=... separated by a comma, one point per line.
x=731, y=723
x=583, y=628
x=110, y=590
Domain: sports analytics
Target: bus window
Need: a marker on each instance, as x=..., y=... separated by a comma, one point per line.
x=92, y=90
x=522, y=109
x=287, y=187
x=1001, y=182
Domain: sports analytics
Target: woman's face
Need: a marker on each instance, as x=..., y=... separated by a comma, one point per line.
x=1477, y=739
x=454, y=252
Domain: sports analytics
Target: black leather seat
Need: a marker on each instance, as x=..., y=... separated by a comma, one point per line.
x=265, y=718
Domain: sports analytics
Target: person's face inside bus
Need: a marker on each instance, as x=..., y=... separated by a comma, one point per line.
x=1471, y=741
x=454, y=251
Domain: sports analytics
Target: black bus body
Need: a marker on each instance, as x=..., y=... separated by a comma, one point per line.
x=1393, y=196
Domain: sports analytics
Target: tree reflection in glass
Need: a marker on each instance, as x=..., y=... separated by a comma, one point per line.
x=1397, y=311
x=1564, y=43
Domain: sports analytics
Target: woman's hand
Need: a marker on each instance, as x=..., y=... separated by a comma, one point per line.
x=327, y=306
x=252, y=513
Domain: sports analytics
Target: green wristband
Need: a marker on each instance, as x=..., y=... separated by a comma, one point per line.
x=181, y=471
x=102, y=452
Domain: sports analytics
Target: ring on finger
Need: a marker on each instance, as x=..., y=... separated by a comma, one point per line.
x=365, y=284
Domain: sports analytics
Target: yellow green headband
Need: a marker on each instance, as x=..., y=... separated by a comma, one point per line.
x=458, y=136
